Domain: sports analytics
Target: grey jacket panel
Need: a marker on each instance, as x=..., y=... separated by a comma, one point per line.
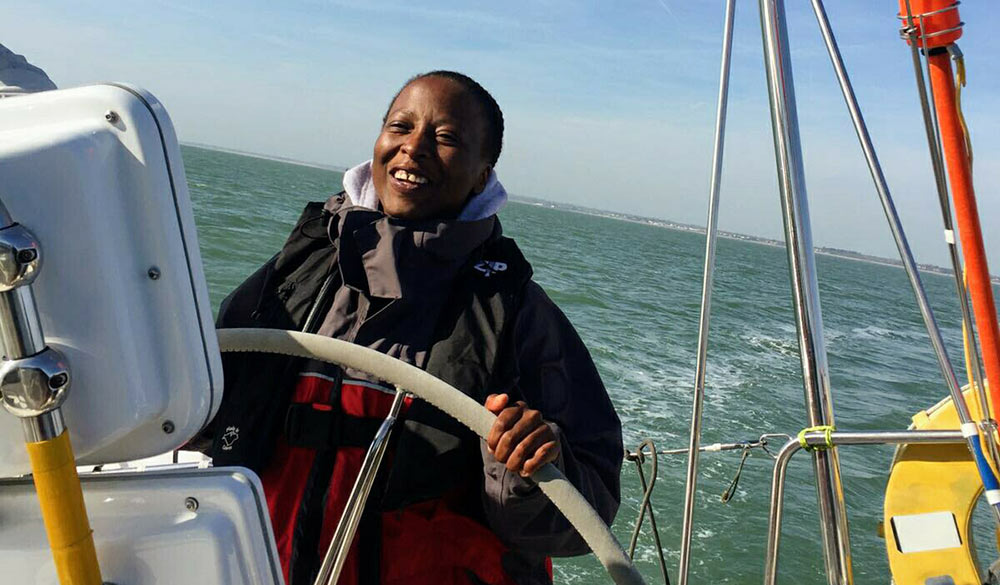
x=556, y=376
x=396, y=278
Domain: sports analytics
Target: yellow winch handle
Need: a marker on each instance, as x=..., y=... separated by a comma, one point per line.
x=63, y=511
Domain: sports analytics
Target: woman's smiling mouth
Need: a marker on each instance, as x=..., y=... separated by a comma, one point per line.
x=408, y=177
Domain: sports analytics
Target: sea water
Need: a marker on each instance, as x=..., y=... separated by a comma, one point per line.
x=633, y=291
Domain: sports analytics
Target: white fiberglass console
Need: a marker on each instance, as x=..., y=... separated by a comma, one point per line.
x=95, y=174
x=182, y=527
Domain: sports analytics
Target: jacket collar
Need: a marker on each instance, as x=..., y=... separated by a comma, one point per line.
x=392, y=258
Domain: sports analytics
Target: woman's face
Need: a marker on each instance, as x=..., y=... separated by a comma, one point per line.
x=429, y=157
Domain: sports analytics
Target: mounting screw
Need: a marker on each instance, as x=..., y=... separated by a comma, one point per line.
x=153, y=273
x=168, y=426
x=191, y=504
x=27, y=256
x=112, y=117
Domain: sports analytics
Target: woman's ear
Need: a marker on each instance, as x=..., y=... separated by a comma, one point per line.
x=484, y=177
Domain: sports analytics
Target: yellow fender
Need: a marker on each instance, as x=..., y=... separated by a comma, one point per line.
x=929, y=500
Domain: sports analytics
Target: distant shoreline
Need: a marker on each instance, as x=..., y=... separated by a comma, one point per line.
x=270, y=157
x=661, y=223
x=683, y=227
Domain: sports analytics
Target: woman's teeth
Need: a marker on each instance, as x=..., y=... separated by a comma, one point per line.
x=410, y=177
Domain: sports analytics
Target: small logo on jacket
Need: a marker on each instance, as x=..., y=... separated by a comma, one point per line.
x=231, y=435
x=489, y=267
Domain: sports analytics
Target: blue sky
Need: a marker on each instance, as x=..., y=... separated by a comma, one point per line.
x=608, y=104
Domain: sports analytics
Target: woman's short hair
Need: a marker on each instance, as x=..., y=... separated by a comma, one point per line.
x=491, y=110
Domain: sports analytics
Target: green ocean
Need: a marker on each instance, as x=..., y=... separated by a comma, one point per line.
x=633, y=292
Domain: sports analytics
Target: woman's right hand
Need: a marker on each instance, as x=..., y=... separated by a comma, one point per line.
x=520, y=438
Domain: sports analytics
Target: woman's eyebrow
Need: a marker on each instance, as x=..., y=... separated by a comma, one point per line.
x=447, y=121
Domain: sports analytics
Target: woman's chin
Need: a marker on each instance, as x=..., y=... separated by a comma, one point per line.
x=411, y=207
x=405, y=208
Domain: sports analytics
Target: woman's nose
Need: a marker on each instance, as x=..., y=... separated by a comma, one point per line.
x=416, y=144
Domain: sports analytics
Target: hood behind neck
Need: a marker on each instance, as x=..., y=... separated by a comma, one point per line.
x=361, y=191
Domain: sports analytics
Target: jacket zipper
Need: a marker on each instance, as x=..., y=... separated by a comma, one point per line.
x=310, y=325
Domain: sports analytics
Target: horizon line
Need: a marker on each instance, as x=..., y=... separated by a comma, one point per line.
x=617, y=215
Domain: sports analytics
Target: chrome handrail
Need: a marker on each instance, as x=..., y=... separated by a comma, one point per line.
x=805, y=290
x=822, y=439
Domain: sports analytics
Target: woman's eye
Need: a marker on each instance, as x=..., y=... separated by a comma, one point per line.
x=397, y=126
x=447, y=138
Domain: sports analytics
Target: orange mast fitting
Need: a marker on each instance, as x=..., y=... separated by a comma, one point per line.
x=937, y=21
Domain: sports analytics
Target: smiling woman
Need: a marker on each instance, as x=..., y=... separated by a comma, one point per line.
x=439, y=142
x=410, y=260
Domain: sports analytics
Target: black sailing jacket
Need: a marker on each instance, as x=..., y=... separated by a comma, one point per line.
x=484, y=327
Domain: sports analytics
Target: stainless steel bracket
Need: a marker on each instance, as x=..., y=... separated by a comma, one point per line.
x=20, y=260
x=34, y=378
x=34, y=385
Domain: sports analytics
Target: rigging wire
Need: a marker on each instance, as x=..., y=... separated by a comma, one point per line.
x=759, y=443
x=648, y=449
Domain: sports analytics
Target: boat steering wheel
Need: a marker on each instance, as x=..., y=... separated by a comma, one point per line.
x=464, y=409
